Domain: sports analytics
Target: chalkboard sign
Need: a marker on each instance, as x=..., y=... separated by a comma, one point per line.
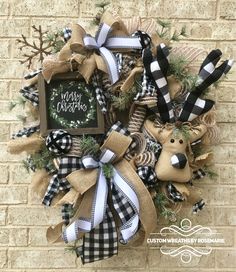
x=67, y=102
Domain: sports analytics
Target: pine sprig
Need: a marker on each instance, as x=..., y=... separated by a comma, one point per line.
x=161, y=202
x=182, y=130
x=165, y=30
x=56, y=40
x=178, y=68
x=107, y=170
x=210, y=173
x=102, y=7
x=19, y=102
x=89, y=146
x=40, y=160
x=177, y=35
x=124, y=100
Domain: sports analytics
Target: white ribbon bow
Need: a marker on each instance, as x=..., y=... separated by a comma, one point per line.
x=102, y=41
x=128, y=229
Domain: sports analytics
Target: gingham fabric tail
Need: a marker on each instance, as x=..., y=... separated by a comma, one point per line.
x=101, y=242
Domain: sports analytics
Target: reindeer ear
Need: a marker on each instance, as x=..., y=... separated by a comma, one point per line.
x=197, y=132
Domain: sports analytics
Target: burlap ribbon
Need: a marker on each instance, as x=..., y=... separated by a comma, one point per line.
x=84, y=181
x=96, y=52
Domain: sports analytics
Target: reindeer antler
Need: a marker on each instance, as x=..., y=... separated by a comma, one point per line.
x=208, y=74
x=157, y=69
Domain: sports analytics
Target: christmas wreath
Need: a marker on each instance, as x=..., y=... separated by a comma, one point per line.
x=159, y=127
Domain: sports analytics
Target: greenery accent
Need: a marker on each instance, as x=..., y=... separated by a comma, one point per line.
x=89, y=145
x=182, y=130
x=73, y=248
x=161, y=202
x=108, y=170
x=40, y=160
x=178, y=68
x=21, y=118
x=124, y=100
x=177, y=35
x=56, y=40
x=210, y=173
x=19, y=102
x=102, y=7
x=164, y=33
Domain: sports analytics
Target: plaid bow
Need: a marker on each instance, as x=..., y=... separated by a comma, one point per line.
x=125, y=202
x=31, y=93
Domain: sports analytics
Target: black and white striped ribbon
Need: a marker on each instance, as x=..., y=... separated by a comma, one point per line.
x=125, y=201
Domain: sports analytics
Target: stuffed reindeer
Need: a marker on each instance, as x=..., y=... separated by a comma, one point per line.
x=169, y=137
x=173, y=164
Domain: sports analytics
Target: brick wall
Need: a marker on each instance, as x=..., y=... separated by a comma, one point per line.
x=23, y=221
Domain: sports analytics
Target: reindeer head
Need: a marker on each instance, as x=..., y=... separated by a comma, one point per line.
x=173, y=164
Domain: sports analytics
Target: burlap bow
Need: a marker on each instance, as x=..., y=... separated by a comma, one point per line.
x=95, y=52
x=92, y=188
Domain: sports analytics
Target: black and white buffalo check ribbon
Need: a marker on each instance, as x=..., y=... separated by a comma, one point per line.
x=31, y=93
x=173, y=193
x=198, y=174
x=99, y=93
x=26, y=132
x=59, y=182
x=144, y=38
x=193, y=105
x=93, y=249
x=118, y=127
x=67, y=32
x=148, y=88
x=103, y=42
x=32, y=74
x=157, y=69
x=125, y=202
x=147, y=175
x=208, y=74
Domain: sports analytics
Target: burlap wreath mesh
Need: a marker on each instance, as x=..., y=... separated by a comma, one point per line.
x=159, y=150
